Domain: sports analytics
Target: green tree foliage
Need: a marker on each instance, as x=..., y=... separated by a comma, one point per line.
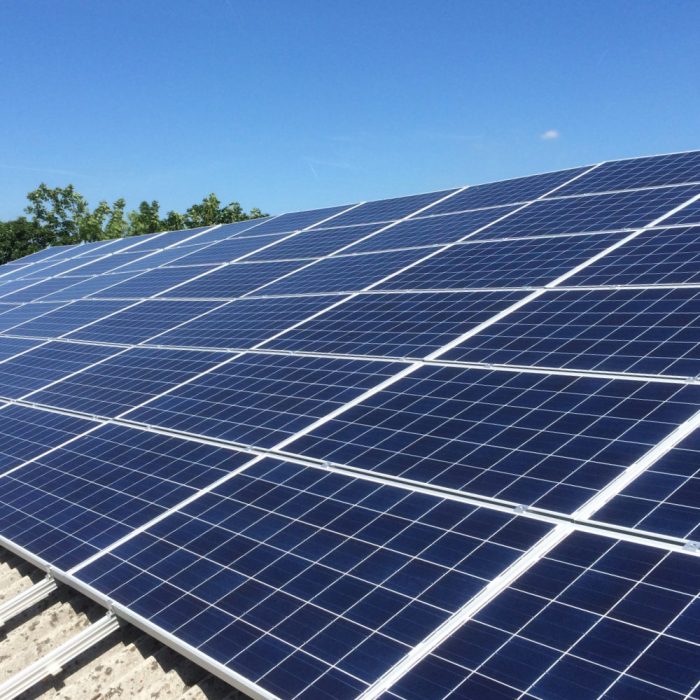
x=61, y=215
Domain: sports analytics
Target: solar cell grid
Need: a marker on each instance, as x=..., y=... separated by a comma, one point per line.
x=688, y=216
x=220, y=233
x=126, y=380
x=594, y=619
x=308, y=582
x=664, y=498
x=654, y=331
x=597, y=212
x=45, y=364
x=658, y=256
x=28, y=432
x=12, y=346
x=71, y=503
x=672, y=169
x=147, y=284
x=295, y=221
x=243, y=323
x=346, y=273
x=82, y=287
x=169, y=256
x=22, y=313
x=518, y=190
x=389, y=209
x=62, y=319
x=432, y=230
x=535, y=439
x=31, y=290
x=526, y=263
x=232, y=281
x=142, y=321
x=261, y=399
x=398, y=325
x=228, y=250
x=316, y=243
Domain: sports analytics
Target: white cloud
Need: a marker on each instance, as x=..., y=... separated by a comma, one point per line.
x=550, y=135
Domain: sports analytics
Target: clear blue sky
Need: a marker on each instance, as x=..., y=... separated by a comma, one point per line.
x=298, y=104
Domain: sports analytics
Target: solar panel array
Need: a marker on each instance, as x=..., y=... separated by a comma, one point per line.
x=441, y=446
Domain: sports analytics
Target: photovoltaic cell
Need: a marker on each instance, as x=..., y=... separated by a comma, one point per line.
x=526, y=263
x=142, y=321
x=244, y=323
x=83, y=287
x=149, y=283
x=233, y=280
x=67, y=317
x=534, y=439
x=170, y=256
x=262, y=399
x=599, y=212
x=22, y=313
x=219, y=233
x=45, y=364
x=347, y=273
x=659, y=256
x=316, y=243
x=69, y=504
x=594, y=619
x=28, y=432
x=673, y=169
x=431, y=230
x=651, y=331
x=226, y=251
x=388, y=209
x=664, y=498
x=11, y=346
x=522, y=189
x=310, y=583
x=31, y=291
x=399, y=325
x=127, y=380
x=690, y=215
x=295, y=220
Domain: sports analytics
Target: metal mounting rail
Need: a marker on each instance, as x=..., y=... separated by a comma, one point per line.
x=24, y=600
x=52, y=663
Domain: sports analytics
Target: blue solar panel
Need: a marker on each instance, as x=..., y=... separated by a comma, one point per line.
x=71, y=503
x=522, y=189
x=316, y=243
x=45, y=364
x=279, y=418
x=27, y=432
x=22, y=313
x=233, y=280
x=665, y=498
x=300, y=579
x=243, y=323
x=431, y=230
x=67, y=317
x=226, y=251
x=598, y=212
x=389, y=209
x=594, y=619
x=673, y=169
x=659, y=256
x=142, y=321
x=346, y=273
x=12, y=346
x=535, y=439
x=403, y=325
x=526, y=263
x=261, y=399
x=654, y=331
x=150, y=283
x=294, y=221
x=127, y=380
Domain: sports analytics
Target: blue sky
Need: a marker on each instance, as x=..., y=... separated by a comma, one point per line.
x=307, y=103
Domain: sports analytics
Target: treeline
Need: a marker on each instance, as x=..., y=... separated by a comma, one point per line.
x=61, y=215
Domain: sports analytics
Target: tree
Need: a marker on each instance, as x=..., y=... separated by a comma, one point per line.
x=19, y=238
x=173, y=221
x=146, y=219
x=117, y=226
x=59, y=210
x=206, y=213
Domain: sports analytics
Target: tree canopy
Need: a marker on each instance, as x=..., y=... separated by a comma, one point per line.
x=61, y=215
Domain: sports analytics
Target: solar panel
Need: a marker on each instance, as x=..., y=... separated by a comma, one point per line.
x=443, y=445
